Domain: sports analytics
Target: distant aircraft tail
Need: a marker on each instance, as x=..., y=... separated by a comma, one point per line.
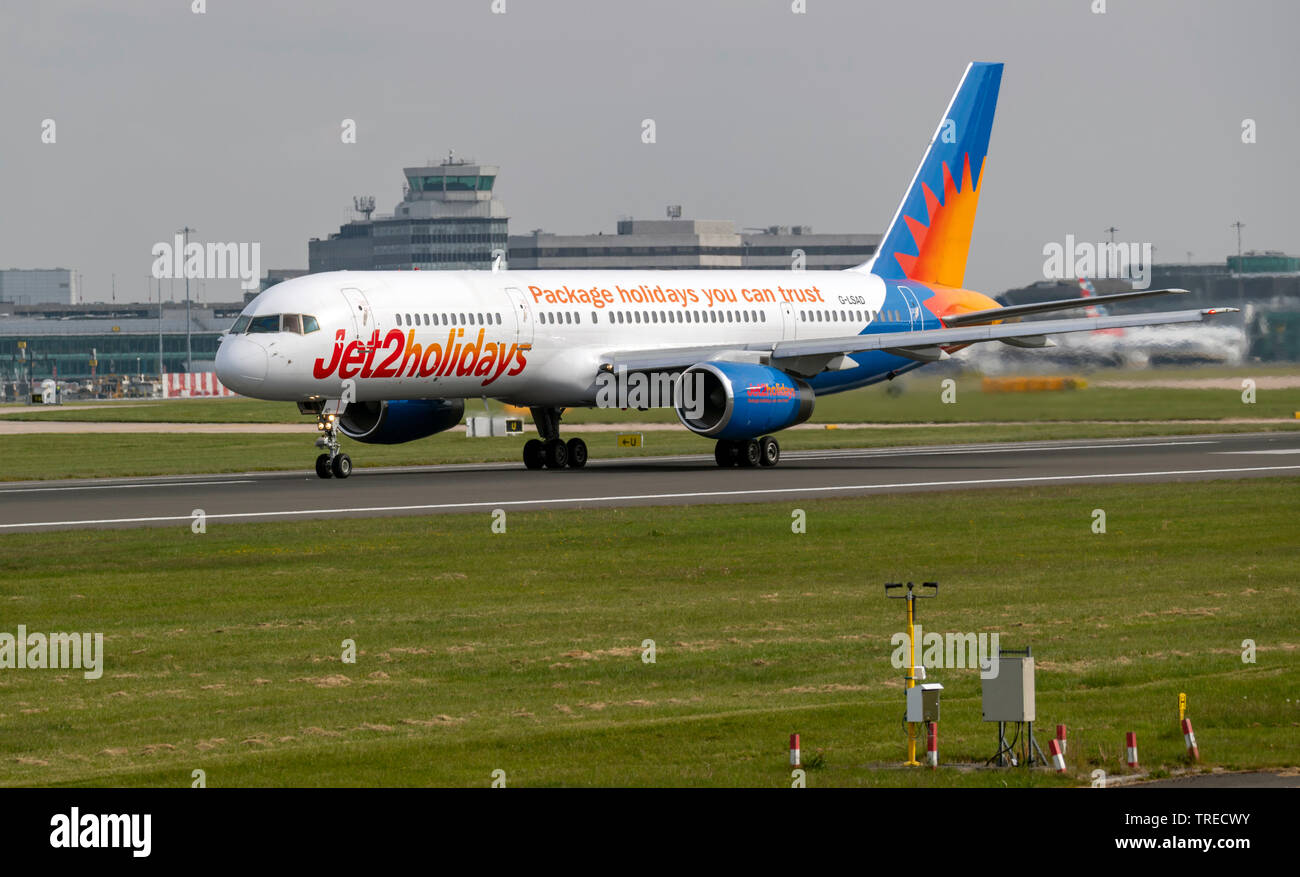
x=1089, y=291
x=929, y=237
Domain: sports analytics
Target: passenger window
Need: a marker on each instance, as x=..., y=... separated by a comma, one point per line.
x=309, y=324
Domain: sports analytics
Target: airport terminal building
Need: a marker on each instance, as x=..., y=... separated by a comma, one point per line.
x=74, y=342
x=691, y=244
x=31, y=286
x=450, y=219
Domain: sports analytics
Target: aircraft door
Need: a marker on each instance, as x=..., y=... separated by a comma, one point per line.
x=913, y=306
x=363, y=320
x=523, y=316
x=789, y=325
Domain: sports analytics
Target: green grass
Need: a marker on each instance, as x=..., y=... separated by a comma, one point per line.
x=522, y=651
x=101, y=455
x=918, y=402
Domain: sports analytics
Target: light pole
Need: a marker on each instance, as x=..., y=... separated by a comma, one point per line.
x=1238, y=225
x=161, y=367
x=189, y=352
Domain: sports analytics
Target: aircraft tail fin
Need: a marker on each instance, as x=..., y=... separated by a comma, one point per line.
x=929, y=237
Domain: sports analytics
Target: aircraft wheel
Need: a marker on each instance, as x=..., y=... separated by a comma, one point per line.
x=725, y=453
x=323, y=466
x=769, y=451
x=557, y=454
x=342, y=466
x=534, y=454
x=749, y=453
x=577, y=453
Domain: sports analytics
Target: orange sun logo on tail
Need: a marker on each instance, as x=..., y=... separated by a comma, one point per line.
x=944, y=243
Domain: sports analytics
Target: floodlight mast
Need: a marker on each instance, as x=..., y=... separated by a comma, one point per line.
x=910, y=678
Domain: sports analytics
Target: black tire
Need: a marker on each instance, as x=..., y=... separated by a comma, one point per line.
x=342, y=466
x=534, y=454
x=724, y=452
x=749, y=453
x=769, y=451
x=323, y=467
x=557, y=454
x=577, y=453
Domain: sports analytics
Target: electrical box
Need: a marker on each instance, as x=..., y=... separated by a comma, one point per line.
x=1009, y=696
x=484, y=426
x=923, y=702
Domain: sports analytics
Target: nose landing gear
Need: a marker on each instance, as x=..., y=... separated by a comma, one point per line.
x=332, y=463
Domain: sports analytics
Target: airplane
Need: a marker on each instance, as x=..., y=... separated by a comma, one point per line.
x=391, y=356
x=1134, y=348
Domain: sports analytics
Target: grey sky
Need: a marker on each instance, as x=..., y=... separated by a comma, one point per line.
x=230, y=121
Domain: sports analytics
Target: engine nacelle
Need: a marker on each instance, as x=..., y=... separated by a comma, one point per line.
x=744, y=400
x=404, y=420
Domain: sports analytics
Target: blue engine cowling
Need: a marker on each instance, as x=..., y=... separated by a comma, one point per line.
x=743, y=400
x=404, y=420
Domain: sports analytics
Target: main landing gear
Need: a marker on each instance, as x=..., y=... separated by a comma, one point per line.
x=748, y=453
x=551, y=451
x=332, y=463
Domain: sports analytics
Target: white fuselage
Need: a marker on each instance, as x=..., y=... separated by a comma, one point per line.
x=532, y=338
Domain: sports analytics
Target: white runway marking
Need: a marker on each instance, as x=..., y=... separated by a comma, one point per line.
x=122, y=486
x=1269, y=451
x=651, y=496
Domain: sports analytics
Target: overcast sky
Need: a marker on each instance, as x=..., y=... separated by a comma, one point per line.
x=230, y=121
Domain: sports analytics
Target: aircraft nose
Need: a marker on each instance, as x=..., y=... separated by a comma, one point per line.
x=241, y=364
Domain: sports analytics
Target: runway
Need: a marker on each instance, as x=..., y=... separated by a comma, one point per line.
x=685, y=480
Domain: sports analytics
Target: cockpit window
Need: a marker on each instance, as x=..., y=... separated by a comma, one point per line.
x=269, y=323
x=300, y=324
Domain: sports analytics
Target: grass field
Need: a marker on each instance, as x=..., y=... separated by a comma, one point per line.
x=522, y=651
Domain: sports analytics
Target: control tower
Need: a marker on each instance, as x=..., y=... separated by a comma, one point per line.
x=448, y=219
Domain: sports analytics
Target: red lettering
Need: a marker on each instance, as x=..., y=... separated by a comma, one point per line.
x=352, y=359
x=319, y=370
x=385, y=369
x=520, y=361
x=427, y=370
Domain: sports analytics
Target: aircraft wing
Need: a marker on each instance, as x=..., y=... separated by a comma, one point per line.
x=1063, y=304
x=814, y=355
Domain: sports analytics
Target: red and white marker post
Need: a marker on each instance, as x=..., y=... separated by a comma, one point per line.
x=794, y=750
x=932, y=746
x=1058, y=757
x=1060, y=737
x=1131, y=743
x=1190, y=738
